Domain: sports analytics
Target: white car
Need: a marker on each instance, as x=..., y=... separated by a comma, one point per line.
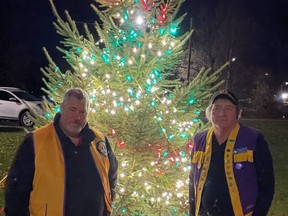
x=16, y=104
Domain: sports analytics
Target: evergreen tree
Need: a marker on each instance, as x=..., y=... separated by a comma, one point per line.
x=147, y=117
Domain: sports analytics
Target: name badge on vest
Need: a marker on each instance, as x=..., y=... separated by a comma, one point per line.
x=101, y=147
x=240, y=150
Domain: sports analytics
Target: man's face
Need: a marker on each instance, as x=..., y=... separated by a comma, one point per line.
x=73, y=116
x=224, y=114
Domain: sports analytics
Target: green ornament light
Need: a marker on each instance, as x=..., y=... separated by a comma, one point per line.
x=128, y=77
x=125, y=15
x=182, y=154
x=123, y=210
x=122, y=62
x=57, y=109
x=161, y=31
x=47, y=115
x=173, y=30
x=106, y=58
x=195, y=120
x=130, y=92
x=133, y=34
x=191, y=101
x=184, y=136
x=148, y=89
x=159, y=118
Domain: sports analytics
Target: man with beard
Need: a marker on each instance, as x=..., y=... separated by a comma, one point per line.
x=64, y=168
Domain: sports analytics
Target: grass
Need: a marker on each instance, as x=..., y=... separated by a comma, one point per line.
x=276, y=133
x=9, y=141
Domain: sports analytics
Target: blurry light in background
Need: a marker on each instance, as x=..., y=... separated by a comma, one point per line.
x=284, y=95
x=139, y=20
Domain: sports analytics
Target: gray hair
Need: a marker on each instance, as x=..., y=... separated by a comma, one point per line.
x=208, y=112
x=78, y=93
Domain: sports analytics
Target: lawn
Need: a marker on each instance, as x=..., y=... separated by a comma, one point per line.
x=9, y=142
x=276, y=132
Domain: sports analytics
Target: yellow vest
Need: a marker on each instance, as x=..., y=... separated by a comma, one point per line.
x=47, y=196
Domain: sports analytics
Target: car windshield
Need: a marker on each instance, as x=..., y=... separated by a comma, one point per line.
x=25, y=96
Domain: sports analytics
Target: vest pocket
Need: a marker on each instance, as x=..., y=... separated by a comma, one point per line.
x=244, y=157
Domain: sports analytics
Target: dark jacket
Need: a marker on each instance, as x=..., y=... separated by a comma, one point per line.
x=84, y=191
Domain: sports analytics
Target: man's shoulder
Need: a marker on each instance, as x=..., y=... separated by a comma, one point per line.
x=250, y=129
x=200, y=135
x=97, y=133
x=43, y=129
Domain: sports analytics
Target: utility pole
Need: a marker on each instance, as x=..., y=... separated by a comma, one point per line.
x=190, y=50
x=227, y=85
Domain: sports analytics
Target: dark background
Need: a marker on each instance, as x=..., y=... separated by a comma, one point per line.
x=26, y=27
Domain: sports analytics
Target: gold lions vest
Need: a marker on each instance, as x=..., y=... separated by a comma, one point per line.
x=47, y=196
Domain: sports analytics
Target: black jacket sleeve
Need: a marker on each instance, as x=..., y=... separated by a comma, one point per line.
x=265, y=177
x=112, y=174
x=191, y=188
x=191, y=196
x=19, y=180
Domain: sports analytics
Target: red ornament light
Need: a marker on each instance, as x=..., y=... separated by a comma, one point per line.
x=121, y=143
x=163, y=11
x=145, y=2
x=172, y=158
x=189, y=145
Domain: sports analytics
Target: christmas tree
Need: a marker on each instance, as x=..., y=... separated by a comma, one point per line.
x=147, y=117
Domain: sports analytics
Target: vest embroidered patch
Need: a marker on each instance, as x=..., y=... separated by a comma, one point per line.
x=240, y=150
x=101, y=147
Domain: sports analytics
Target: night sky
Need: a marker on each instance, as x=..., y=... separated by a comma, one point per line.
x=26, y=27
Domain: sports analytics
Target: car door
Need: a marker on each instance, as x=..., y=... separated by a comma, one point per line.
x=10, y=106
